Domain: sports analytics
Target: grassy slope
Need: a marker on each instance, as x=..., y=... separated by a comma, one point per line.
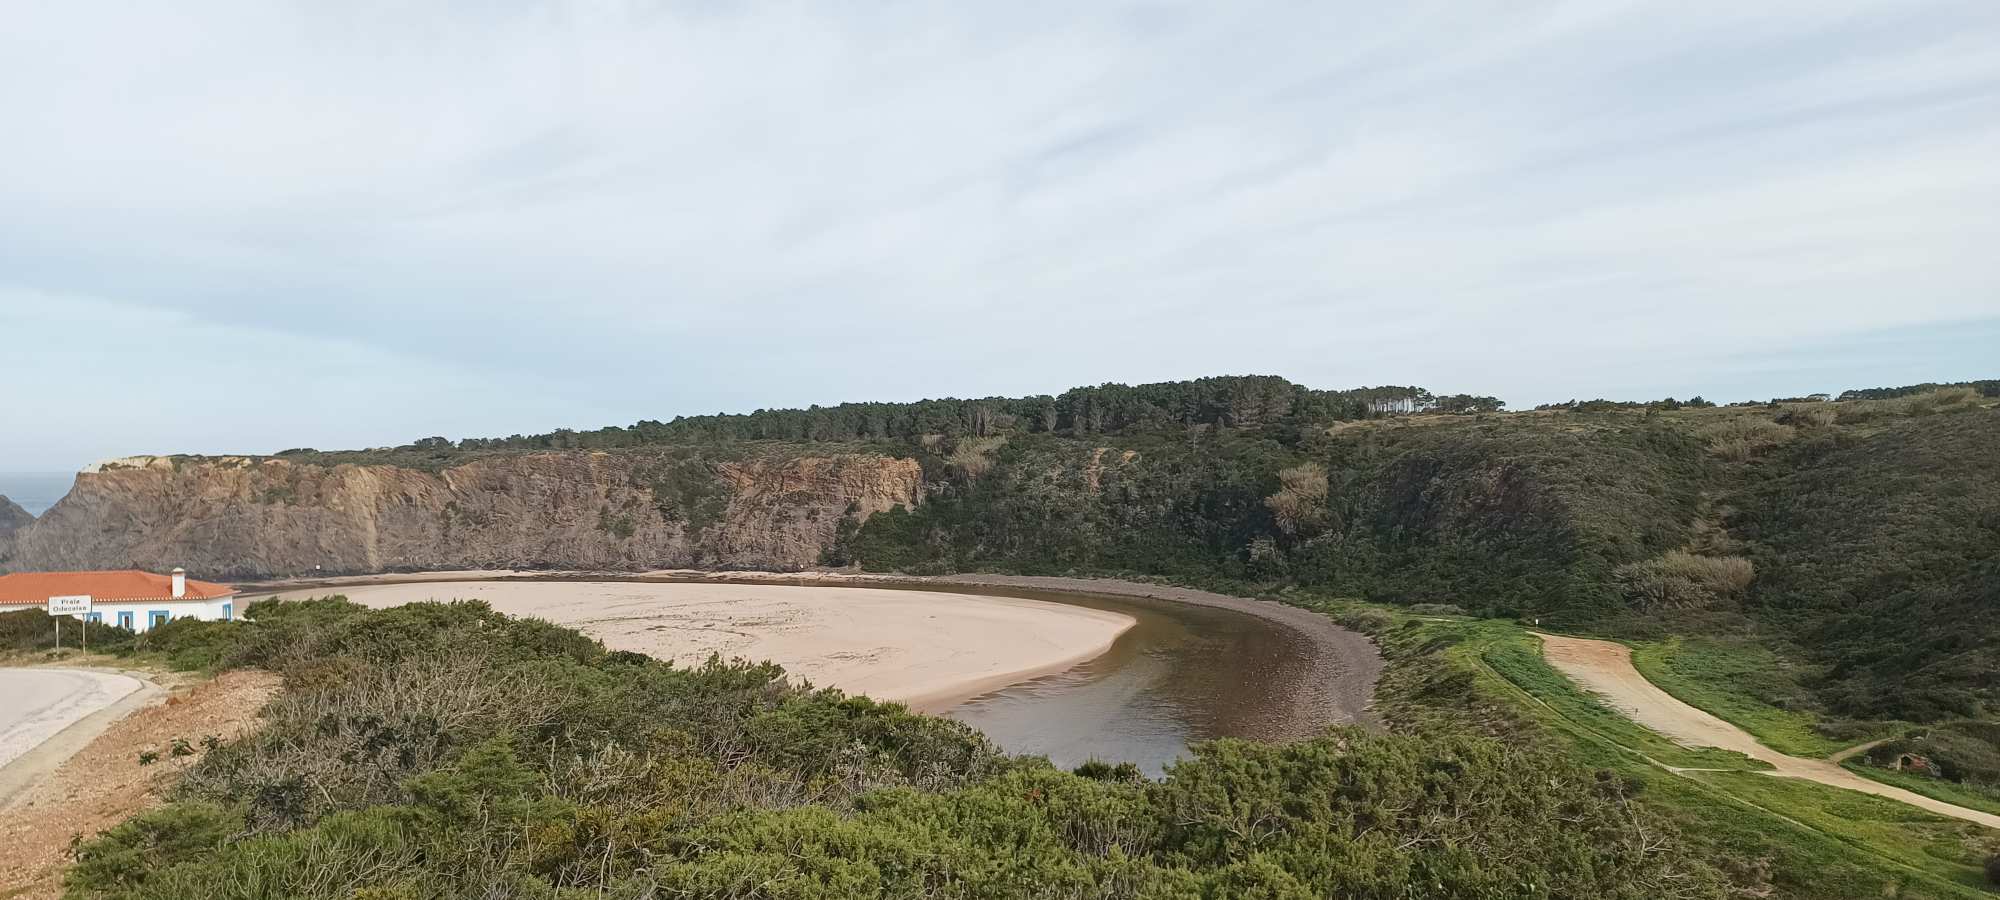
x=1794, y=839
x=1731, y=679
x=1876, y=539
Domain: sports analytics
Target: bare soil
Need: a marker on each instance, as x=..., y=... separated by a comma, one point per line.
x=103, y=783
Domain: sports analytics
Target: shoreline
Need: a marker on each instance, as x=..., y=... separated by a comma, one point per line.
x=1345, y=664
x=929, y=653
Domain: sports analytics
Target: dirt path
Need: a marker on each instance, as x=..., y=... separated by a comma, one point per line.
x=1605, y=669
x=103, y=782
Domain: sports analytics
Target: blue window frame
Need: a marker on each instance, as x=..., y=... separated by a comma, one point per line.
x=228, y=612
x=125, y=621
x=157, y=617
x=97, y=617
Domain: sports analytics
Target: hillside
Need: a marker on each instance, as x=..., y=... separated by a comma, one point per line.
x=12, y=519
x=1857, y=538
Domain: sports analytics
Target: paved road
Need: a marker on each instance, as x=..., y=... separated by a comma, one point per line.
x=35, y=704
x=1605, y=669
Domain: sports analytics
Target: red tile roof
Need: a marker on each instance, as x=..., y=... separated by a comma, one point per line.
x=103, y=587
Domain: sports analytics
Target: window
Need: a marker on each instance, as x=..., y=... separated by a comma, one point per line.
x=97, y=617
x=125, y=621
x=157, y=617
x=228, y=612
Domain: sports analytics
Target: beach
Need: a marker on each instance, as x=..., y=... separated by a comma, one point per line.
x=929, y=649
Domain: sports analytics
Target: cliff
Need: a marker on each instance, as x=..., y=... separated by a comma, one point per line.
x=12, y=519
x=239, y=517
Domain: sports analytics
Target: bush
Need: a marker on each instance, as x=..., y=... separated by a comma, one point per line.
x=1437, y=609
x=1993, y=870
x=1816, y=415
x=1743, y=437
x=1300, y=502
x=444, y=751
x=1681, y=580
x=34, y=629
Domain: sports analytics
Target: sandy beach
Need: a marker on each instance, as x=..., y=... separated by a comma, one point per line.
x=931, y=650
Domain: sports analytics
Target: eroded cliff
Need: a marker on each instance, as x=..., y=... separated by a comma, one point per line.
x=12, y=519
x=252, y=517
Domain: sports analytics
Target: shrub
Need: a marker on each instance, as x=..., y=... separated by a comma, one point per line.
x=1816, y=415
x=1740, y=438
x=1301, y=498
x=1993, y=870
x=1679, y=580
x=1436, y=609
x=971, y=456
x=34, y=629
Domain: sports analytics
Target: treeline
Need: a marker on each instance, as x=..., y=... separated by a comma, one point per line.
x=438, y=752
x=1250, y=402
x=1987, y=388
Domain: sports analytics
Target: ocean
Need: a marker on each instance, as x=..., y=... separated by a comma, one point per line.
x=35, y=491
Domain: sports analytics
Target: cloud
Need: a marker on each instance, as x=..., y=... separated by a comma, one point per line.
x=504, y=217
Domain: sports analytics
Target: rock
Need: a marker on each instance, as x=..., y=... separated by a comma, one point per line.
x=12, y=519
x=255, y=517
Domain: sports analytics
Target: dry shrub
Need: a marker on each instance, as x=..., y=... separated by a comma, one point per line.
x=1679, y=580
x=1942, y=400
x=1818, y=415
x=1741, y=438
x=970, y=456
x=1301, y=498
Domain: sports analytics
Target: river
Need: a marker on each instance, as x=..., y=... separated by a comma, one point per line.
x=1183, y=674
x=1193, y=668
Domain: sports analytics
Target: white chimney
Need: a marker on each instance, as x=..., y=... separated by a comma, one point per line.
x=180, y=582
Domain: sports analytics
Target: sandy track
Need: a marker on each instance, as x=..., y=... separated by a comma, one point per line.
x=1605, y=669
x=930, y=650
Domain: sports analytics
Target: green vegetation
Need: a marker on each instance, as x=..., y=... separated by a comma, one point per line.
x=1770, y=836
x=1747, y=685
x=445, y=751
x=1819, y=573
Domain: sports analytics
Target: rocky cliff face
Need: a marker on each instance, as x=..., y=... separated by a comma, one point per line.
x=12, y=519
x=256, y=517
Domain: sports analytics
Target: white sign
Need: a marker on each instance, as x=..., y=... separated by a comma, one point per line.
x=69, y=606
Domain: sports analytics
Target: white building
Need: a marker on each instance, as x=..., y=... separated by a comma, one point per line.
x=129, y=599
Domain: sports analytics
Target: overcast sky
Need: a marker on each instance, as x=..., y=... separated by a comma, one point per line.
x=258, y=225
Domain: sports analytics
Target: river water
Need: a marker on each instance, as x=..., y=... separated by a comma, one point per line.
x=1183, y=674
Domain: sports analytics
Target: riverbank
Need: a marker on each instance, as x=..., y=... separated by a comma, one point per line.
x=930, y=651
x=1338, y=686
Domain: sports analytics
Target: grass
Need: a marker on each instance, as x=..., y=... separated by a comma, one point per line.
x=1779, y=837
x=1968, y=796
x=1948, y=851
x=1517, y=657
x=1732, y=681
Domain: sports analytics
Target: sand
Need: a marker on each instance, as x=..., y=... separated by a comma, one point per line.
x=930, y=650
x=1605, y=669
x=1340, y=690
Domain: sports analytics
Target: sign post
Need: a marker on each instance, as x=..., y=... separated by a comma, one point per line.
x=70, y=606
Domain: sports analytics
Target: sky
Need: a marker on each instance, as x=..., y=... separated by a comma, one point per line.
x=243, y=227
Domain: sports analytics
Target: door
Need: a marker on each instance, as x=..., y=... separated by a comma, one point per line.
x=125, y=621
